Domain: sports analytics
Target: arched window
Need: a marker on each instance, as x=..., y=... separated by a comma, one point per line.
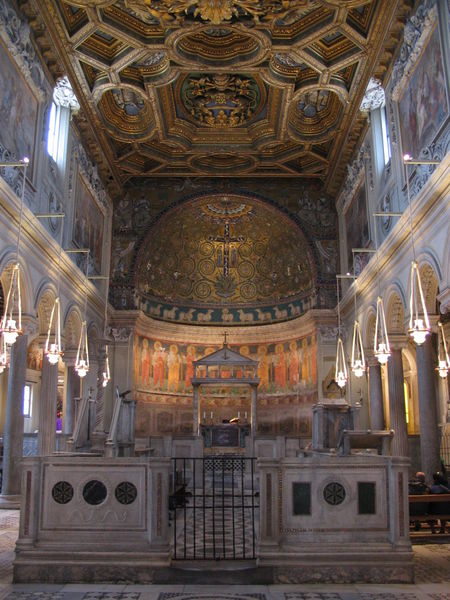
x=64, y=101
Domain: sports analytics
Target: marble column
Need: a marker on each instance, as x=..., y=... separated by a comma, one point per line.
x=196, y=414
x=375, y=394
x=98, y=426
x=254, y=396
x=72, y=392
x=397, y=411
x=429, y=432
x=98, y=435
x=47, y=409
x=13, y=435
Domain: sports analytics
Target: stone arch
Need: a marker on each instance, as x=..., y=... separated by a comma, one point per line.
x=430, y=286
x=368, y=328
x=72, y=327
x=7, y=262
x=395, y=313
x=45, y=302
x=93, y=341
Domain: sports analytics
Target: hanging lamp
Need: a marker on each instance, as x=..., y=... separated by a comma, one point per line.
x=381, y=347
x=419, y=326
x=82, y=360
x=53, y=349
x=340, y=372
x=106, y=372
x=358, y=363
x=11, y=325
x=443, y=359
x=106, y=375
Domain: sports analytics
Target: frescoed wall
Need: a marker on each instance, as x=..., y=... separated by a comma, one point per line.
x=18, y=110
x=287, y=390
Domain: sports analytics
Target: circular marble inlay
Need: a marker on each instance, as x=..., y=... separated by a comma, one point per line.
x=62, y=492
x=94, y=492
x=126, y=492
x=334, y=493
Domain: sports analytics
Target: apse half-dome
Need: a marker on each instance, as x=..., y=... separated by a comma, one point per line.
x=225, y=259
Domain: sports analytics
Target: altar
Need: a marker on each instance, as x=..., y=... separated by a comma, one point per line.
x=227, y=435
x=228, y=368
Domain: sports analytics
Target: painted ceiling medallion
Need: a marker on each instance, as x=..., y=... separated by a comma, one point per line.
x=126, y=114
x=220, y=100
x=315, y=115
x=223, y=163
x=219, y=46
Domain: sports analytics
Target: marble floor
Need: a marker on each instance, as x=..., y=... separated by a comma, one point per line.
x=431, y=564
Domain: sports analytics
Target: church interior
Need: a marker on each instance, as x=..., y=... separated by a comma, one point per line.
x=224, y=285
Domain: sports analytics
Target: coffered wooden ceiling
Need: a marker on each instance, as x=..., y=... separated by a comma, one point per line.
x=219, y=87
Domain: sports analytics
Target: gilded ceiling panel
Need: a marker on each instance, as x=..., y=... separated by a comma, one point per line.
x=210, y=79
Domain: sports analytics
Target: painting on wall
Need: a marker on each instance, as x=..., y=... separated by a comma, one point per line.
x=18, y=110
x=88, y=224
x=168, y=367
x=423, y=107
x=356, y=224
x=34, y=357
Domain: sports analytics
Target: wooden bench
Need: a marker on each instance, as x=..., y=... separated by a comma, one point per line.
x=429, y=507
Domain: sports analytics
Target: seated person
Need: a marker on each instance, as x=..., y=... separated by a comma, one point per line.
x=417, y=486
x=439, y=486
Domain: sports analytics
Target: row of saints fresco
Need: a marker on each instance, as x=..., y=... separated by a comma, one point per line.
x=166, y=366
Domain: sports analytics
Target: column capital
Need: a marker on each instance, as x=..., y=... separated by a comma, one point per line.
x=398, y=341
x=371, y=359
x=30, y=326
x=444, y=299
x=70, y=357
x=434, y=320
x=121, y=334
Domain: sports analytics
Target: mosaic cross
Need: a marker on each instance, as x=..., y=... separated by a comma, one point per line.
x=227, y=242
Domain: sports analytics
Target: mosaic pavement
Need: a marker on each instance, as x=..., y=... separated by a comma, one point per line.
x=431, y=563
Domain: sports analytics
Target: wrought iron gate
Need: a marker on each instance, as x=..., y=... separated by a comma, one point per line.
x=214, y=508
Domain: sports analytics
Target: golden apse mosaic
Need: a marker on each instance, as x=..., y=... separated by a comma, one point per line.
x=226, y=259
